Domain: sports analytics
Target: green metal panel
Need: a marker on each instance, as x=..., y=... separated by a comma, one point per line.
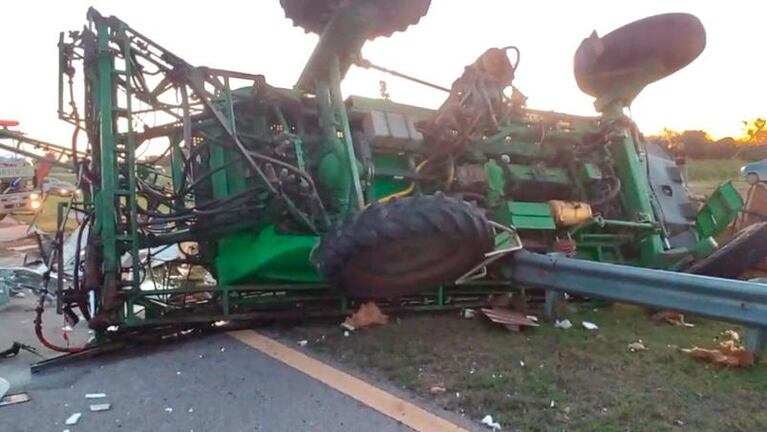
x=537, y=173
x=106, y=199
x=266, y=256
x=526, y=215
x=393, y=174
x=719, y=211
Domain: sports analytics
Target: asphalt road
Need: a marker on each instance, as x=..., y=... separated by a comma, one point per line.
x=213, y=383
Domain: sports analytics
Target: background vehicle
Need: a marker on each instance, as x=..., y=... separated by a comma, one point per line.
x=755, y=172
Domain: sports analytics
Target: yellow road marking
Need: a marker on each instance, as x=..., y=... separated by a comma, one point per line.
x=381, y=401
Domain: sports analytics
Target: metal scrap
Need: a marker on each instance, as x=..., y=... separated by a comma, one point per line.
x=14, y=399
x=513, y=321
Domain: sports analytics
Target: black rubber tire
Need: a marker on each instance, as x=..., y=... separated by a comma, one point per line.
x=745, y=251
x=395, y=15
x=405, y=246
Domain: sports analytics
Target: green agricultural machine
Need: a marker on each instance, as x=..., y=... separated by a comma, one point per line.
x=301, y=202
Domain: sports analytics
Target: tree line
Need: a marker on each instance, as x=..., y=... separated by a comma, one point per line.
x=698, y=144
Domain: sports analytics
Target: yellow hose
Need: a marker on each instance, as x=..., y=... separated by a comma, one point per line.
x=407, y=191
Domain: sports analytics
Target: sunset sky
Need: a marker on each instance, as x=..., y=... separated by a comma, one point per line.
x=725, y=85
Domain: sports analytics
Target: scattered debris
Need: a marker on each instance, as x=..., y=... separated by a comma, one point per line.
x=347, y=326
x=16, y=347
x=488, y=421
x=4, y=387
x=521, y=363
x=673, y=318
x=346, y=334
x=637, y=346
x=100, y=407
x=168, y=409
x=729, y=353
x=22, y=248
x=563, y=324
x=552, y=404
x=367, y=315
x=468, y=313
x=513, y=321
x=73, y=419
x=589, y=325
x=303, y=342
x=437, y=390
x=14, y=399
x=95, y=395
x=732, y=335
x=19, y=294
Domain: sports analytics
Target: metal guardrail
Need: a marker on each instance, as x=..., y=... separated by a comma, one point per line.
x=729, y=300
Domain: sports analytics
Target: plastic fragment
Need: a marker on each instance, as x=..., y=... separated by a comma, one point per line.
x=100, y=407
x=303, y=342
x=563, y=324
x=636, y=346
x=73, y=419
x=488, y=421
x=589, y=325
x=95, y=395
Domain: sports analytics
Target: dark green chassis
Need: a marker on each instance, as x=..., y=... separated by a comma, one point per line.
x=266, y=271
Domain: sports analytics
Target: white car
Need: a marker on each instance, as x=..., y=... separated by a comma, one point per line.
x=54, y=186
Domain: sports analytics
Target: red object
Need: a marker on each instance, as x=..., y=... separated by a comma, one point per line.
x=9, y=123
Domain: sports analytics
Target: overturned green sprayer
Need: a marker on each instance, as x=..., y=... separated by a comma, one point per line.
x=301, y=202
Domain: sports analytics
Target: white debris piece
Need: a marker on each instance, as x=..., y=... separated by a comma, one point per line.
x=303, y=342
x=4, y=387
x=468, y=313
x=348, y=326
x=532, y=318
x=73, y=419
x=563, y=324
x=100, y=407
x=589, y=325
x=168, y=410
x=95, y=395
x=488, y=421
x=346, y=334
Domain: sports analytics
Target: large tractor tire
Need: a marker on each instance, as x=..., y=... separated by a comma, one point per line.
x=392, y=16
x=405, y=247
x=745, y=251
